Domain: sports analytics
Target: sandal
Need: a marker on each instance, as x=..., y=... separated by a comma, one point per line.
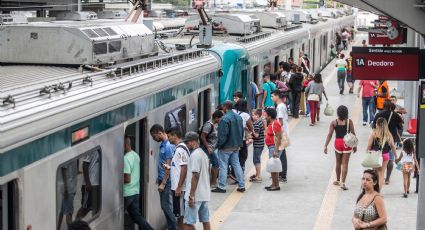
x=343, y=187
x=256, y=180
x=336, y=182
x=253, y=176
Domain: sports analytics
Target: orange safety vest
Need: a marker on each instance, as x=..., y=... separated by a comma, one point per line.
x=380, y=100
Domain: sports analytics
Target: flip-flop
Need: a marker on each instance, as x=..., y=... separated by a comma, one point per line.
x=253, y=176
x=343, y=187
x=336, y=182
x=255, y=180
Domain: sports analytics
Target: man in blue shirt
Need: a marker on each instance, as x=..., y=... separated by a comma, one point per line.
x=164, y=184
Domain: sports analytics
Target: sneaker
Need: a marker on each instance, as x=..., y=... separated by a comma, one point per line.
x=364, y=123
x=283, y=180
x=240, y=189
x=219, y=190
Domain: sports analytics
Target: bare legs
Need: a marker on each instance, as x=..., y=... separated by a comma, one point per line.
x=341, y=168
x=214, y=175
x=406, y=182
x=380, y=172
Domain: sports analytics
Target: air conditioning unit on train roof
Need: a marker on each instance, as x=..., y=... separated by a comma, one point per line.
x=303, y=15
x=112, y=14
x=74, y=15
x=238, y=24
x=272, y=19
x=11, y=19
x=75, y=43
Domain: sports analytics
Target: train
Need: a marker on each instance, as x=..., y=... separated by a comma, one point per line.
x=61, y=109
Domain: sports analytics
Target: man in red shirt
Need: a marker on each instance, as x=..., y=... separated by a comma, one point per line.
x=368, y=101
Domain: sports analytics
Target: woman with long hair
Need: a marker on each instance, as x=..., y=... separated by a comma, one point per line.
x=341, y=127
x=370, y=210
x=381, y=140
x=314, y=92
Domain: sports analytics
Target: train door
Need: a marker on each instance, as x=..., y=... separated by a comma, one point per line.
x=9, y=206
x=244, y=81
x=291, y=53
x=276, y=64
x=204, y=105
x=138, y=134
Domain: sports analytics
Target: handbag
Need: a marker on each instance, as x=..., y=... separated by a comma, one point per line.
x=329, y=111
x=373, y=159
x=274, y=165
x=313, y=97
x=284, y=139
x=350, y=140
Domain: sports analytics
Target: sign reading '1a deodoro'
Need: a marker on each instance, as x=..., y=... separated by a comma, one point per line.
x=385, y=63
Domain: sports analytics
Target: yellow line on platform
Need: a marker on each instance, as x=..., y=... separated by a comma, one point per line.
x=221, y=214
x=327, y=209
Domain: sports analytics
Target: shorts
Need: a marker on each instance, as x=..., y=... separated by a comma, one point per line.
x=68, y=204
x=392, y=157
x=257, y=155
x=408, y=167
x=386, y=156
x=90, y=200
x=178, y=204
x=271, y=151
x=340, y=146
x=200, y=210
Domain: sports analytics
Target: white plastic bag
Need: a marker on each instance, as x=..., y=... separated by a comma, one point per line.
x=329, y=111
x=274, y=165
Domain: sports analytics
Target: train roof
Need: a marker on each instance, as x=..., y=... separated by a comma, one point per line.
x=41, y=101
x=262, y=40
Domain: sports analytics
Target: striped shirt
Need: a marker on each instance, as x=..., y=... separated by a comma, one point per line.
x=259, y=128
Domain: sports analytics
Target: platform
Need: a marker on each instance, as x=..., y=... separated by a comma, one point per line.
x=309, y=200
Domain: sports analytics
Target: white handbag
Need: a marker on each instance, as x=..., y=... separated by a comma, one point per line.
x=373, y=158
x=350, y=140
x=329, y=111
x=274, y=165
x=313, y=97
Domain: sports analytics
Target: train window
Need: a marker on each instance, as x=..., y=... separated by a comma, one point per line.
x=100, y=48
x=9, y=206
x=291, y=53
x=303, y=47
x=176, y=118
x=90, y=33
x=78, y=195
x=114, y=46
x=204, y=107
x=276, y=64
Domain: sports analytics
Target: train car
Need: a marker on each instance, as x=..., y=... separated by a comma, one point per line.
x=45, y=133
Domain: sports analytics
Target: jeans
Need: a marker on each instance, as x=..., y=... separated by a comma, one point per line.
x=224, y=158
x=166, y=199
x=307, y=108
x=368, y=104
x=296, y=96
x=341, y=80
x=313, y=110
x=131, y=204
x=290, y=101
x=284, y=161
x=243, y=155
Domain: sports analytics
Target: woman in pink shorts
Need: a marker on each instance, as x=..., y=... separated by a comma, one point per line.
x=341, y=126
x=382, y=140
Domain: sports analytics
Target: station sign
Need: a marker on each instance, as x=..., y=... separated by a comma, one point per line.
x=385, y=63
x=383, y=39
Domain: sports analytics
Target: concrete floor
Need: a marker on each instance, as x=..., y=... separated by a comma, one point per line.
x=308, y=200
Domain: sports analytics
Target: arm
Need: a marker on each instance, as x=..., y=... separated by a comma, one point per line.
x=359, y=90
x=328, y=138
x=416, y=162
x=203, y=138
x=264, y=98
x=167, y=172
x=392, y=145
x=250, y=126
x=182, y=179
x=193, y=187
x=277, y=145
x=370, y=142
x=380, y=207
x=127, y=178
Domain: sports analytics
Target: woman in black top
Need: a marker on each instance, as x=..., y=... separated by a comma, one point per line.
x=381, y=140
x=341, y=127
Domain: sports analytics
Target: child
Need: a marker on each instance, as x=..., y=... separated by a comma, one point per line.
x=258, y=136
x=408, y=162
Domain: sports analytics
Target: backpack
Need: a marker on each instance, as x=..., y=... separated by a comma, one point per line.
x=209, y=133
x=281, y=86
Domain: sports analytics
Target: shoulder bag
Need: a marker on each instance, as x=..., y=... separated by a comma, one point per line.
x=350, y=140
x=373, y=159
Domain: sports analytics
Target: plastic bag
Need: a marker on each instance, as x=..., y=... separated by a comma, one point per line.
x=329, y=111
x=274, y=165
x=373, y=159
